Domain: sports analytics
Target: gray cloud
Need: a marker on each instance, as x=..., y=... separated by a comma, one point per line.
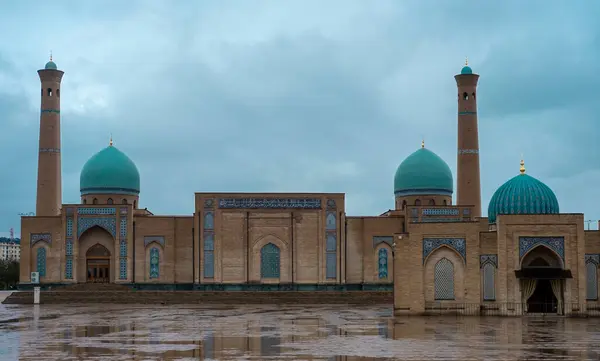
x=302, y=96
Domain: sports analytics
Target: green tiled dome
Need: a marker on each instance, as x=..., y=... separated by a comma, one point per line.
x=522, y=194
x=51, y=65
x=109, y=171
x=423, y=172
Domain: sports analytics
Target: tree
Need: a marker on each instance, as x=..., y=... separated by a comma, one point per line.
x=9, y=274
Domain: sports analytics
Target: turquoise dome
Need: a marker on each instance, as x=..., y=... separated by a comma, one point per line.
x=109, y=171
x=423, y=172
x=51, y=65
x=522, y=194
x=466, y=70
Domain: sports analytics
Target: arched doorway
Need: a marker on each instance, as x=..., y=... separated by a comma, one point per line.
x=542, y=280
x=97, y=260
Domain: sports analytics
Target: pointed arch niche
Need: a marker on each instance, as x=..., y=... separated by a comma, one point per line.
x=444, y=268
x=266, y=250
x=94, y=237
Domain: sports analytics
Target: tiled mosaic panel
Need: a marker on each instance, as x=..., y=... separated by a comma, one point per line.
x=591, y=284
x=209, y=221
x=383, y=263
x=41, y=261
x=154, y=263
x=123, y=228
x=123, y=248
x=273, y=203
x=69, y=269
x=69, y=227
x=458, y=244
x=557, y=244
x=85, y=223
x=96, y=210
x=489, y=284
x=69, y=248
x=209, y=264
x=330, y=222
x=331, y=265
x=123, y=268
x=270, y=262
x=444, y=280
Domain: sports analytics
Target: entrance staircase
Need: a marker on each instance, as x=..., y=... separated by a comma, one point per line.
x=90, y=293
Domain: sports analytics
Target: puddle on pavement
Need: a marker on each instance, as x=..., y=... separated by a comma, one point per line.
x=115, y=332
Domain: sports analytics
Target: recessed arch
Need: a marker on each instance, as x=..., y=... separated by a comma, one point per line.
x=444, y=246
x=541, y=252
x=97, y=245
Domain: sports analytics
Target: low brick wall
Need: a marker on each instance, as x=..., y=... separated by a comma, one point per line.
x=128, y=296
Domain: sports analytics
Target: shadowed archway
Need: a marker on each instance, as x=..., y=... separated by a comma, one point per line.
x=95, y=256
x=542, y=281
x=98, y=264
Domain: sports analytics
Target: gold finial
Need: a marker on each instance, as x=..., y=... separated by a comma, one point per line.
x=522, y=169
x=466, y=61
x=50, y=55
x=423, y=143
x=110, y=143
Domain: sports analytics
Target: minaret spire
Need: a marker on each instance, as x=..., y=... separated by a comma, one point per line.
x=468, y=184
x=49, y=178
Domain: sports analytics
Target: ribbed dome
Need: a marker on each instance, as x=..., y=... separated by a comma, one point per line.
x=109, y=171
x=522, y=194
x=423, y=172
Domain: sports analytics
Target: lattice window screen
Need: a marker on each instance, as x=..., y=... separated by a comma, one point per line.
x=489, y=282
x=444, y=280
x=591, y=281
x=270, y=262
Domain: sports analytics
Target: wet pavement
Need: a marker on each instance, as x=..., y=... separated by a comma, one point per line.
x=113, y=332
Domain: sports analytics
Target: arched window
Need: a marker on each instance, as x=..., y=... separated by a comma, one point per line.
x=95, y=201
x=270, y=262
x=404, y=204
x=154, y=263
x=49, y=92
x=444, y=280
x=591, y=281
x=466, y=96
x=432, y=202
x=209, y=255
x=134, y=204
x=58, y=93
x=41, y=261
x=489, y=282
x=383, y=263
x=109, y=201
x=418, y=202
x=445, y=202
x=84, y=201
x=331, y=255
x=330, y=221
x=124, y=201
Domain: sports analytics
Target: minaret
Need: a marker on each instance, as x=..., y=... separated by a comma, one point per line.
x=468, y=183
x=49, y=184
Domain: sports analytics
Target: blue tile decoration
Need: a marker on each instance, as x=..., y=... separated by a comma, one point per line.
x=593, y=258
x=209, y=221
x=57, y=111
x=438, y=220
x=123, y=211
x=270, y=203
x=383, y=263
x=209, y=254
x=457, y=244
x=49, y=150
x=69, y=269
x=97, y=210
x=468, y=151
x=466, y=113
x=389, y=240
x=69, y=227
x=154, y=263
x=270, y=262
x=123, y=248
x=331, y=265
x=123, y=268
x=209, y=203
x=123, y=228
x=69, y=247
x=158, y=239
x=466, y=211
x=331, y=204
x=107, y=223
x=40, y=237
x=488, y=258
x=330, y=245
x=330, y=221
x=557, y=244
x=41, y=261
x=440, y=211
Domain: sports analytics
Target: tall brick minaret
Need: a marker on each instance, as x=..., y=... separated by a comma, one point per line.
x=468, y=183
x=49, y=183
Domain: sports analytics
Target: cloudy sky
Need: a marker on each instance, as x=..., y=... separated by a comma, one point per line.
x=301, y=96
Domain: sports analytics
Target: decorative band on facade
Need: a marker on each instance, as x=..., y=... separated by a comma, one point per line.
x=49, y=150
x=468, y=151
x=467, y=113
x=57, y=111
x=429, y=191
x=457, y=244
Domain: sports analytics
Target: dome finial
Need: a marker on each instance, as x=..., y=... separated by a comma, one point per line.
x=50, y=55
x=110, y=143
x=466, y=61
x=423, y=143
x=522, y=169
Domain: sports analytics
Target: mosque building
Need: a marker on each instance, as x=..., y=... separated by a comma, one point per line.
x=525, y=256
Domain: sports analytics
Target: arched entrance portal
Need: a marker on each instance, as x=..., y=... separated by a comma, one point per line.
x=542, y=277
x=98, y=264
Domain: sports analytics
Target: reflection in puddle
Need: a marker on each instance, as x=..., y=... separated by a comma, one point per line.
x=112, y=332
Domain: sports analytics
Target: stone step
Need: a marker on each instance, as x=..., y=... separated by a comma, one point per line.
x=200, y=297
